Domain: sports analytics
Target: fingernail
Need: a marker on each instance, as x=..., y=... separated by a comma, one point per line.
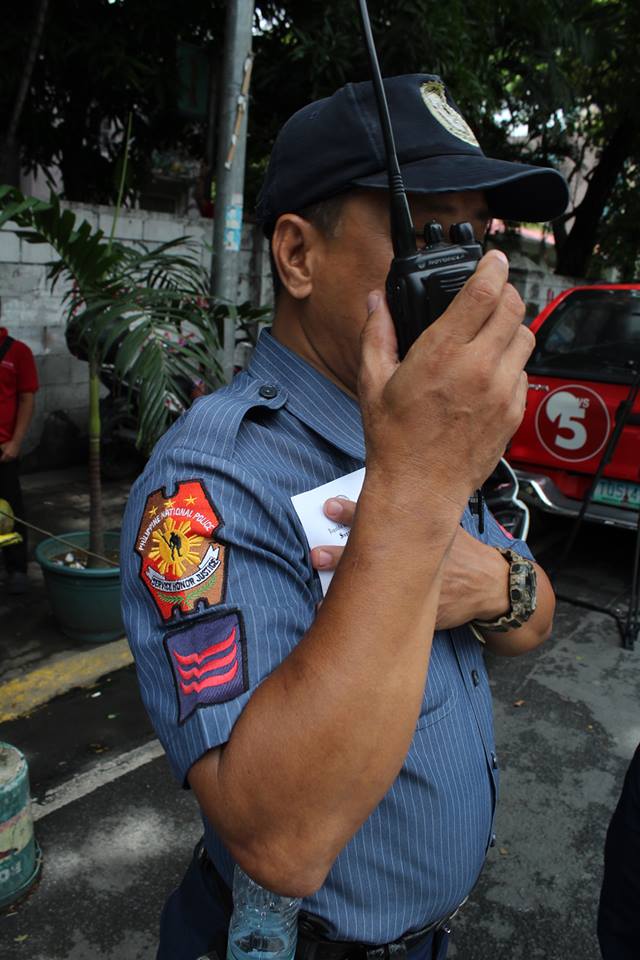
x=323, y=558
x=499, y=255
x=333, y=509
x=373, y=301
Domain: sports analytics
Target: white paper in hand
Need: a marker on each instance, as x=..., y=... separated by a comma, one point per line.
x=320, y=530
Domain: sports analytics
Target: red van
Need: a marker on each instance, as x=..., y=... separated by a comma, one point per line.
x=585, y=363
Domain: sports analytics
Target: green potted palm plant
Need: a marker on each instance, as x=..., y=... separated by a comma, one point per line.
x=148, y=314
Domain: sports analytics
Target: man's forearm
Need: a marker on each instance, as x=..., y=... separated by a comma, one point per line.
x=323, y=738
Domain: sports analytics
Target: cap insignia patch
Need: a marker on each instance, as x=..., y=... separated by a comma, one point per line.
x=208, y=661
x=435, y=100
x=182, y=563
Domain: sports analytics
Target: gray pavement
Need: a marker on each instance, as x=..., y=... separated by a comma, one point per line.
x=563, y=755
x=109, y=860
x=117, y=831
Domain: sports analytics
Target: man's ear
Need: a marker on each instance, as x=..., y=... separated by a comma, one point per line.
x=292, y=246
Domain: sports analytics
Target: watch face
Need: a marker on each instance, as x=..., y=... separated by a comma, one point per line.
x=522, y=588
x=522, y=594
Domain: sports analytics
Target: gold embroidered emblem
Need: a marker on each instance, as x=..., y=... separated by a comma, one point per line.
x=435, y=99
x=183, y=563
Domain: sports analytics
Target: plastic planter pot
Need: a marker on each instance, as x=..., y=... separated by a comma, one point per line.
x=86, y=603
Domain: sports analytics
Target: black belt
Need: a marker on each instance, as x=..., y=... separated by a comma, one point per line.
x=313, y=945
x=312, y=942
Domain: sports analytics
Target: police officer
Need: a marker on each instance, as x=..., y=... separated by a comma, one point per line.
x=344, y=752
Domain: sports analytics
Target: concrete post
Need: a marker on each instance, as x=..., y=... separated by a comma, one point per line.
x=232, y=134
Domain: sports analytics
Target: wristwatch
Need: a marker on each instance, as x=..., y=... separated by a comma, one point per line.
x=522, y=595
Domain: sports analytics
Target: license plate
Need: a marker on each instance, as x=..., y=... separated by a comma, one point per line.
x=619, y=493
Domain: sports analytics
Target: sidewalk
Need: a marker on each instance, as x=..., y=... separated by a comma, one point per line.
x=30, y=639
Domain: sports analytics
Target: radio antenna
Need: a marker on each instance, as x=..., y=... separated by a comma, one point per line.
x=402, y=229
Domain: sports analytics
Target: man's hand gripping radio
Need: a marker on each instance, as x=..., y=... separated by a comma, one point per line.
x=421, y=286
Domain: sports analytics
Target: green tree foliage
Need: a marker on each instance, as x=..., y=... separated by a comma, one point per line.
x=565, y=71
x=145, y=309
x=98, y=62
x=576, y=90
x=619, y=230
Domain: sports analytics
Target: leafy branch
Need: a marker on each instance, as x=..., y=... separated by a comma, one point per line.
x=145, y=312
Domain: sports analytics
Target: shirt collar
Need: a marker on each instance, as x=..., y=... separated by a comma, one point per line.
x=310, y=396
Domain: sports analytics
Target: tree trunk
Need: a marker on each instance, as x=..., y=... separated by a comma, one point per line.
x=9, y=146
x=96, y=518
x=575, y=252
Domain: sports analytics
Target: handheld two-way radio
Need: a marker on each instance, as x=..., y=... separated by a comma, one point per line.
x=421, y=283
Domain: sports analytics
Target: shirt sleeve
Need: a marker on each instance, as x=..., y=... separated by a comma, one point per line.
x=496, y=536
x=217, y=591
x=26, y=371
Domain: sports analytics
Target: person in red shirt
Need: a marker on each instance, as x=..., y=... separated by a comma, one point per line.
x=18, y=385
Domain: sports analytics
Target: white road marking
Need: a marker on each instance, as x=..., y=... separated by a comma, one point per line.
x=104, y=773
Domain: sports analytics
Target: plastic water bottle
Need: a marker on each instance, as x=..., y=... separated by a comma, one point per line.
x=264, y=925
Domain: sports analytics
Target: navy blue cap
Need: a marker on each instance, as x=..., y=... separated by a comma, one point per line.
x=336, y=143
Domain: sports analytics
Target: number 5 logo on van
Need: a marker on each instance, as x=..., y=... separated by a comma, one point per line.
x=572, y=423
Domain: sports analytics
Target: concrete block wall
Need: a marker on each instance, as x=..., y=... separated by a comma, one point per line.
x=35, y=314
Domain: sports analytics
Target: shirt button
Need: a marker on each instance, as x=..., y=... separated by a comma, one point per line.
x=492, y=842
x=268, y=391
x=475, y=676
x=494, y=761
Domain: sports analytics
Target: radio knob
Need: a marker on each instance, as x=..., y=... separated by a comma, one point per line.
x=461, y=233
x=433, y=233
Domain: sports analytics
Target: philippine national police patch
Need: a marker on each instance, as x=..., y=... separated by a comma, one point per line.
x=182, y=563
x=208, y=660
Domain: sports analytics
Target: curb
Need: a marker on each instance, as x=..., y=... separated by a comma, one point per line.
x=59, y=675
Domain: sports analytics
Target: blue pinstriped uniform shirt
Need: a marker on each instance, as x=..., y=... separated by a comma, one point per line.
x=277, y=430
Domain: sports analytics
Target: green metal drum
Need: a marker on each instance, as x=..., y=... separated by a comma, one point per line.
x=20, y=857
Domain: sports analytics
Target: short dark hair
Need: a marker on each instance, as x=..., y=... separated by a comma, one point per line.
x=324, y=216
